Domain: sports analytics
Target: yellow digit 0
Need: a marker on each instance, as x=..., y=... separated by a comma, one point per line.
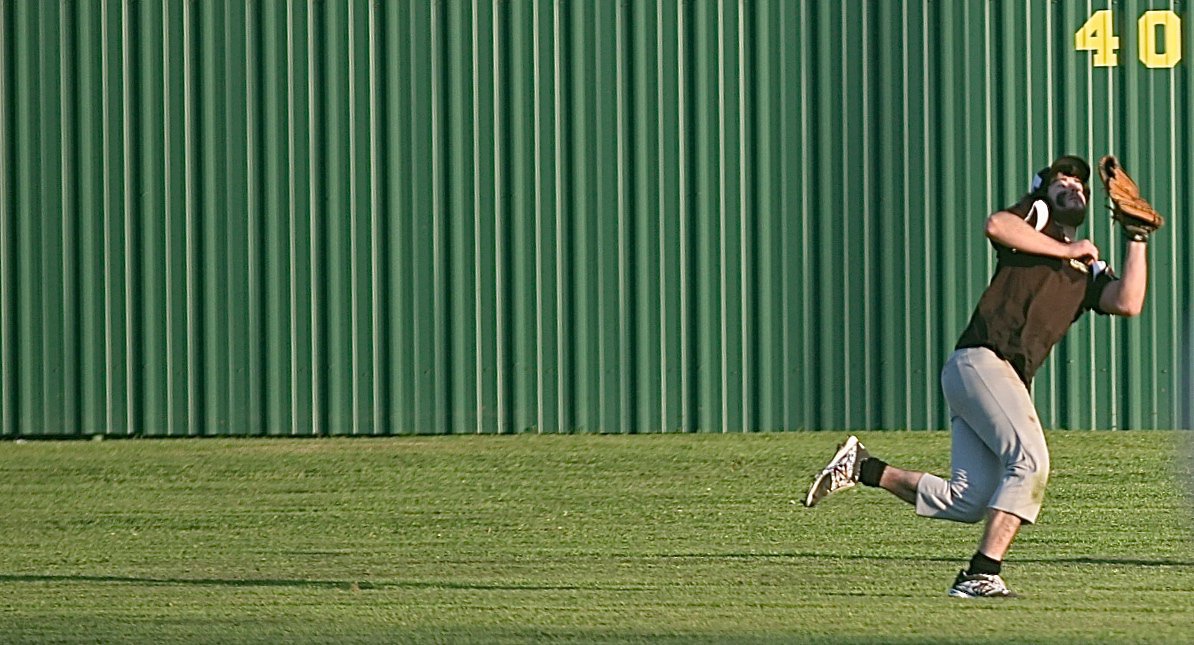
x=1098, y=35
x=1148, y=38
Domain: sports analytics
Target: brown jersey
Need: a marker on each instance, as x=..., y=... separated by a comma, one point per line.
x=1032, y=299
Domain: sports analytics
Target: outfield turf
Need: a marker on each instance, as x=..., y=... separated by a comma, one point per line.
x=586, y=538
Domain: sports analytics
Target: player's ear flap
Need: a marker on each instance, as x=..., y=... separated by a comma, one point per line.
x=1038, y=179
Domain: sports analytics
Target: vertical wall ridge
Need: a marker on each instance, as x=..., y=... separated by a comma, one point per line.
x=8, y=396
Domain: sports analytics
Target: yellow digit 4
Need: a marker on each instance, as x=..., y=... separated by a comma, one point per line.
x=1098, y=35
x=1148, y=41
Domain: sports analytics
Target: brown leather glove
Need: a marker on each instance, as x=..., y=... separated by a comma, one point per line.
x=1137, y=217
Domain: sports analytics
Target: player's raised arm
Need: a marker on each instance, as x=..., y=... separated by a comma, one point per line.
x=1012, y=231
x=1125, y=297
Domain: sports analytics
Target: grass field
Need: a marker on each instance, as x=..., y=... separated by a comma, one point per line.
x=585, y=538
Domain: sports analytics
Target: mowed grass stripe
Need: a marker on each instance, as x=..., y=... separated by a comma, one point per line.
x=575, y=538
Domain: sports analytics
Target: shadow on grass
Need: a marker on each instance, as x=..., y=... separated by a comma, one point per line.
x=365, y=585
x=793, y=555
x=1120, y=562
x=346, y=585
x=802, y=555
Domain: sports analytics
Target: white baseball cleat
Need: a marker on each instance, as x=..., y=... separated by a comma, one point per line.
x=980, y=585
x=841, y=473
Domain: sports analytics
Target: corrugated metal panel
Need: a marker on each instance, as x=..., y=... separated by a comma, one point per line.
x=355, y=217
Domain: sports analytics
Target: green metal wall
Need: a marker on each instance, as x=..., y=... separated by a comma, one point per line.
x=423, y=216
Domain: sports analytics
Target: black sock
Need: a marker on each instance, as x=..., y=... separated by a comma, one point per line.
x=871, y=471
x=982, y=564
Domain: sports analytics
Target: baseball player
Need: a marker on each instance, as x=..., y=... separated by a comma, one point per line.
x=1046, y=277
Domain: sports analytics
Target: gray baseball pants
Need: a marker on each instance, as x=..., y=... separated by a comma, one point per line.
x=998, y=457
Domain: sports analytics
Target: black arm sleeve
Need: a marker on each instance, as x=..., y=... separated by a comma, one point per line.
x=1094, y=290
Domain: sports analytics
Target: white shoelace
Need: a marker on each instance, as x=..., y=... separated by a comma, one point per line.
x=842, y=473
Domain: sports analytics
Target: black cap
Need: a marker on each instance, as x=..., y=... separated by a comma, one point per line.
x=1071, y=165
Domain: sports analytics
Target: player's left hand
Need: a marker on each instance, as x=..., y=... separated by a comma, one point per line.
x=1137, y=217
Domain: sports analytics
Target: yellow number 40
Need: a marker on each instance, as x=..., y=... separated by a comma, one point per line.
x=1098, y=35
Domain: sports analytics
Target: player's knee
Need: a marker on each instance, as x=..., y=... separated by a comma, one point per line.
x=1032, y=475
x=970, y=503
x=1030, y=467
x=973, y=508
x=972, y=514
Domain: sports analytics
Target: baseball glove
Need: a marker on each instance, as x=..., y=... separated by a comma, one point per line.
x=1138, y=217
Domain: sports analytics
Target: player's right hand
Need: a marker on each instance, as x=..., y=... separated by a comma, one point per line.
x=1082, y=250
